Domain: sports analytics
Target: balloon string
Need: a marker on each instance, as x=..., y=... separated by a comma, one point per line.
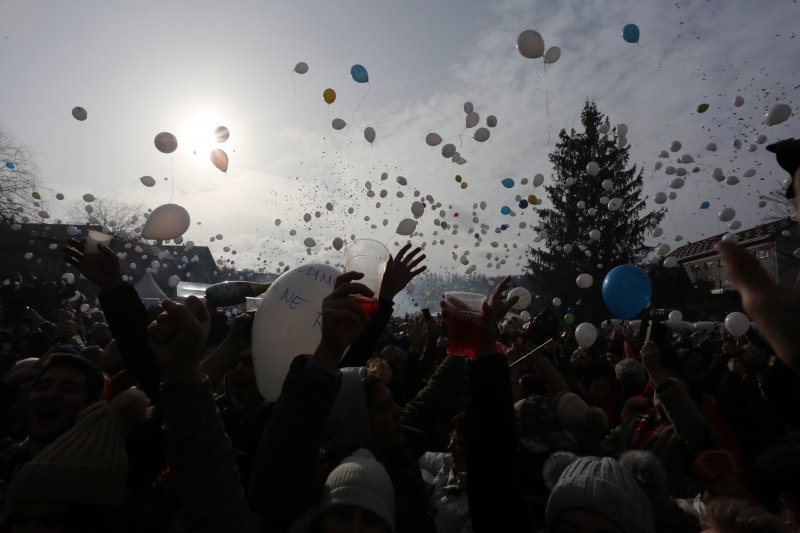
x=547, y=107
x=646, y=51
x=294, y=87
x=358, y=106
x=172, y=178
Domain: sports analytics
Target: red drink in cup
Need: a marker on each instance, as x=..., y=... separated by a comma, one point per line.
x=369, y=257
x=462, y=321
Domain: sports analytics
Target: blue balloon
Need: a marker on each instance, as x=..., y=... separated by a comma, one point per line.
x=359, y=73
x=10, y=165
x=504, y=227
x=626, y=291
x=630, y=33
x=507, y=183
x=705, y=205
x=505, y=210
x=571, y=309
x=523, y=204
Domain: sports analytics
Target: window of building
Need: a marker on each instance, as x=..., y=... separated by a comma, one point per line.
x=695, y=267
x=763, y=253
x=709, y=265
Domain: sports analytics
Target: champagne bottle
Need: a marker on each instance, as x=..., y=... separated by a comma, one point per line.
x=233, y=292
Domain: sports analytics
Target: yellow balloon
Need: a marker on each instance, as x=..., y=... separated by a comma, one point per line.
x=532, y=199
x=464, y=185
x=329, y=95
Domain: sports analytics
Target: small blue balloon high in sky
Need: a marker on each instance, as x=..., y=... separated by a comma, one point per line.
x=705, y=205
x=508, y=183
x=505, y=210
x=10, y=165
x=630, y=33
x=359, y=74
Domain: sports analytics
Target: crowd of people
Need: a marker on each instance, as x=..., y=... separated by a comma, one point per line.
x=123, y=418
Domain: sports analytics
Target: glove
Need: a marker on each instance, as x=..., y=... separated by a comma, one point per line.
x=787, y=152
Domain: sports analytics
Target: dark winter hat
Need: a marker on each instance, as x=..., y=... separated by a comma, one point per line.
x=787, y=152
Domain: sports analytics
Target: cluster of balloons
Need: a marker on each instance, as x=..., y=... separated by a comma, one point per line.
x=460, y=180
x=530, y=45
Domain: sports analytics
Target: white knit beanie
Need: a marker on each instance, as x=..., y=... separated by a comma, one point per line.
x=360, y=481
x=601, y=485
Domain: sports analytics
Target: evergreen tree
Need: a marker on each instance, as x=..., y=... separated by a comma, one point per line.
x=580, y=205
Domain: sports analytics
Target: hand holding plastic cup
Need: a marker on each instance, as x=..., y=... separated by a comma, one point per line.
x=369, y=257
x=462, y=321
x=93, y=238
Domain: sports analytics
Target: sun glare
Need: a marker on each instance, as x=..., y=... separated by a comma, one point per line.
x=198, y=134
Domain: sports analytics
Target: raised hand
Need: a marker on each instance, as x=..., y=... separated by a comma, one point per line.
x=773, y=308
x=400, y=270
x=417, y=335
x=102, y=268
x=342, y=318
x=178, y=340
x=494, y=309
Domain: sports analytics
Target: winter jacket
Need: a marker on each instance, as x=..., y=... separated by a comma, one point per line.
x=203, y=462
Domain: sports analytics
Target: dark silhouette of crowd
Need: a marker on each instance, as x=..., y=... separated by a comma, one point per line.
x=116, y=417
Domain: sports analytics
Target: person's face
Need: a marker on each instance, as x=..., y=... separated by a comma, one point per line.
x=55, y=402
x=581, y=520
x=384, y=418
x=458, y=451
x=351, y=519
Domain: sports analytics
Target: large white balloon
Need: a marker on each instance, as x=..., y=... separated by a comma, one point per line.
x=472, y=119
x=727, y=214
x=288, y=323
x=166, y=142
x=584, y=281
x=538, y=179
x=552, y=55
x=675, y=317
x=406, y=226
x=448, y=150
x=369, y=134
x=777, y=114
x=530, y=44
x=433, y=139
x=660, y=197
x=592, y=168
x=737, y=324
x=167, y=221
x=524, y=298
x=585, y=334
x=338, y=124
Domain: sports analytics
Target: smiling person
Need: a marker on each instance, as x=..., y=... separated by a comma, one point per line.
x=64, y=388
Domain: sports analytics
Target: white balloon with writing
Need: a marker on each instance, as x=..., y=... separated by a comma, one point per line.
x=289, y=323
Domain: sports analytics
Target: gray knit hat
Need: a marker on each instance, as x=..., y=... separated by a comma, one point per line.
x=360, y=481
x=88, y=464
x=630, y=372
x=602, y=485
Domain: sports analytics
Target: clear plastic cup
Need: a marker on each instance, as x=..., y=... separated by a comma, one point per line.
x=369, y=257
x=462, y=322
x=252, y=304
x=93, y=238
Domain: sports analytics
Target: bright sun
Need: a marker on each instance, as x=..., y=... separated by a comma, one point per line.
x=198, y=134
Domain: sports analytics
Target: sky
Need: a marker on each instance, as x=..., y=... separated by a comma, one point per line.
x=143, y=67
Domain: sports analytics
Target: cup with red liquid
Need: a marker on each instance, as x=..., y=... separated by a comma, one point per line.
x=463, y=322
x=369, y=257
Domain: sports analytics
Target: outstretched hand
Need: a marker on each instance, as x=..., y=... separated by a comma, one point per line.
x=101, y=268
x=178, y=339
x=342, y=318
x=493, y=310
x=773, y=308
x=400, y=270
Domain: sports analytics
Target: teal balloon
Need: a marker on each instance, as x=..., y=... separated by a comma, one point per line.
x=626, y=291
x=705, y=205
x=508, y=183
x=505, y=210
x=10, y=165
x=359, y=74
x=630, y=33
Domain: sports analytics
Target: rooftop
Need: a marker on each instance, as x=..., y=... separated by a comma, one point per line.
x=752, y=235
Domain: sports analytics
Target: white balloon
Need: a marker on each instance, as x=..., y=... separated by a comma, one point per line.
x=472, y=119
x=622, y=141
x=658, y=232
x=167, y=221
x=737, y=324
x=777, y=114
x=622, y=130
x=730, y=237
x=749, y=173
x=672, y=195
x=417, y=209
x=491, y=121
x=174, y=280
x=675, y=317
x=761, y=139
x=481, y=135
x=595, y=235
x=337, y=243
x=301, y=67
x=88, y=197
x=603, y=128
x=592, y=168
x=530, y=44
x=468, y=107
x=581, y=204
x=369, y=134
x=663, y=249
x=433, y=139
x=732, y=180
x=147, y=181
x=670, y=262
x=734, y=225
x=538, y=179
x=584, y=281
x=675, y=146
x=737, y=143
x=556, y=302
x=658, y=165
x=585, y=334
x=711, y=147
x=406, y=226
x=524, y=298
x=570, y=182
x=604, y=200
x=338, y=124
x=448, y=150
x=552, y=55
x=664, y=154
x=738, y=101
x=676, y=183
x=309, y=242
x=288, y=323
x=718, y=174
x=567, y=248
x=614, y=204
